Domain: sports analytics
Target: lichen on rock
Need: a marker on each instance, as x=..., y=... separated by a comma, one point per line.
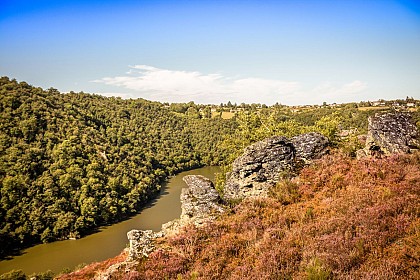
x=200, y=200
x=262, y=164
x=141, y=243
x=259, y=168
x=391, y=133
x=310, y=146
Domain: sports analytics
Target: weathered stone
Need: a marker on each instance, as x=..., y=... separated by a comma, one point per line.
x=265, y=162
x=141, y=243
x=200, y=200
x=310, y=146
x=200, y=203
x=259, y=168
x=172, y=227
x=391, y=133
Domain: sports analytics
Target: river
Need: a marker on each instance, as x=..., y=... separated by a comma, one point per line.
x=109, y=241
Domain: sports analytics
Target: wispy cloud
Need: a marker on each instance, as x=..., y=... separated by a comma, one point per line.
x=182, y=86
x=332, y=92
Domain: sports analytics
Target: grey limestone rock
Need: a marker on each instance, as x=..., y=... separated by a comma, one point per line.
x=141, y=243
x=263, y=163
x=390, y=133
x=310, y=146
x=200, y=200
x=259, y=168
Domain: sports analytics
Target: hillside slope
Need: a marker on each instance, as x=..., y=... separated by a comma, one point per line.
x=71, y=162
x=343, y=219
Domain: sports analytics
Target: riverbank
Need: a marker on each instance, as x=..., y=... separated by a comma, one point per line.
x=109, y=241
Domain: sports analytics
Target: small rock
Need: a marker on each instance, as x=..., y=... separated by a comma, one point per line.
x=141, y=243
x=200, y=201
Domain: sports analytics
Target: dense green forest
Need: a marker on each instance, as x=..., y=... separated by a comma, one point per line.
x=71, y=162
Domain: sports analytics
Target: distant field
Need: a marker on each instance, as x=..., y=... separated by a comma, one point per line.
x=372, y=108
x=225, y=115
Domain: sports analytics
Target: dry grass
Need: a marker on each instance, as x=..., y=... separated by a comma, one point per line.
x=91, y=270
x=227, y=115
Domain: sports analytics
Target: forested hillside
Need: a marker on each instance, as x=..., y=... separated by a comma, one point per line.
x=71, y=162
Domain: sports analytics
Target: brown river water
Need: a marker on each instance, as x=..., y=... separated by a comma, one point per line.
x=109, y=241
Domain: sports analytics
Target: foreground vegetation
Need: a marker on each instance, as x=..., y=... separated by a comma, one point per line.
x=343, y=218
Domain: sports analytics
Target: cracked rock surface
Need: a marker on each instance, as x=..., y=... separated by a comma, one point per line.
x=141, y=243
x=391, y=133
x=264, y=163
x=200, y=200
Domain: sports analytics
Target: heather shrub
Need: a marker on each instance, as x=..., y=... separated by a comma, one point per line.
x=341, y=219
x=286, y=191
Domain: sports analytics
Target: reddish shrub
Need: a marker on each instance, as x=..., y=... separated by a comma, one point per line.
x=342, y=218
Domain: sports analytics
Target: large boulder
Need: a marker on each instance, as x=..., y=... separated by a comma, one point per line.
x=259, y=168
x=310, y=146
x=265, y=162
x=200, y=201
x=390, y=133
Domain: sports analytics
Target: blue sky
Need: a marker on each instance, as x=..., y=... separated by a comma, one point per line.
x=291, y=52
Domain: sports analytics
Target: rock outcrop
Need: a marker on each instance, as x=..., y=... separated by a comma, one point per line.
x=310, y=146
x=141, y=243
x=390, y=133
x=200, y=201
x=263, y=163
x=259, y=168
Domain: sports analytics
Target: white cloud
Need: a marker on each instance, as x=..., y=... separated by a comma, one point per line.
x=182, y=86
x=355, y=87
x=332, y=92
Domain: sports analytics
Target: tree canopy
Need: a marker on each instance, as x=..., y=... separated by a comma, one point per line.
x=71, y=162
